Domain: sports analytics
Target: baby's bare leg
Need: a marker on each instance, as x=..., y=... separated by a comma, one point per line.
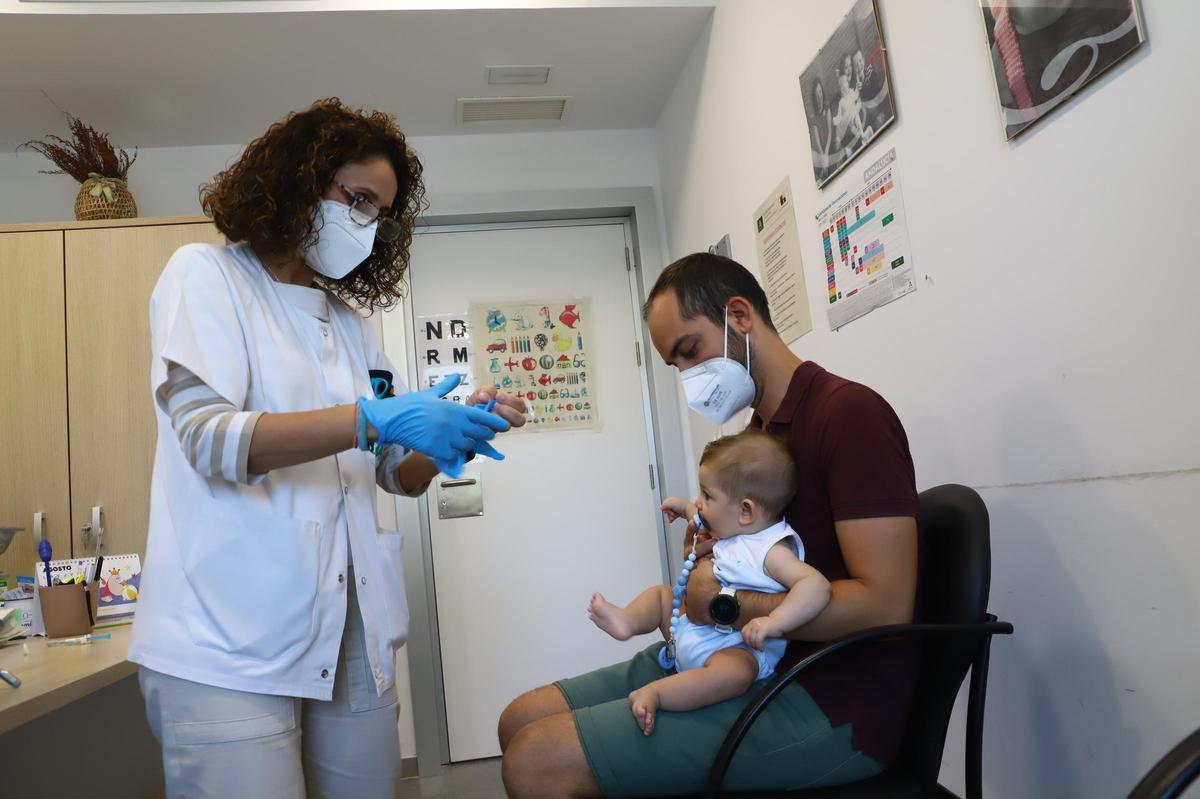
x=651, y=610
x=728, y=673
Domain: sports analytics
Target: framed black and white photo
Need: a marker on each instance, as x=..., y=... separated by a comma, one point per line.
x=847, y=92
x=1044, y=51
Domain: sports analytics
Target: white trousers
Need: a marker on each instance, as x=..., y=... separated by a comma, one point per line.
x=224, y=744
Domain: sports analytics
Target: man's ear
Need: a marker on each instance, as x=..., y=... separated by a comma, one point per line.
x=741, y=315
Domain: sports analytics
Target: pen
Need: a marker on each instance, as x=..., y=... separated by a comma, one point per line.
x=10, y=678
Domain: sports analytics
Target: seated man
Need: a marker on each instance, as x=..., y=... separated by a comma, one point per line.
x=855, y=508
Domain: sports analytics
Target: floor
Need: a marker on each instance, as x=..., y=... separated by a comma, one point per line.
x=477, y=779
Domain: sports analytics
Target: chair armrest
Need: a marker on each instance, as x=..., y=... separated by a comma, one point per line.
x=752, y=711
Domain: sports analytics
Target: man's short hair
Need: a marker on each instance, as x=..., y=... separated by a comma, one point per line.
x=753, y=465
x=704, y=284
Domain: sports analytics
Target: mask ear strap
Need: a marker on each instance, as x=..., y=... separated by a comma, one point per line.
x=727, y=340
x=727, y=331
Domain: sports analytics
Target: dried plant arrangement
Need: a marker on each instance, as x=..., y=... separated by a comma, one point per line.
x=90, y=158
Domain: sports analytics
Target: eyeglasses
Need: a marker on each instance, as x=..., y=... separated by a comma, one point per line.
x=363, y=212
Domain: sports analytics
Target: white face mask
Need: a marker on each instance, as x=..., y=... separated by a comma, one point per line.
x=342, y=244
x=719, y=388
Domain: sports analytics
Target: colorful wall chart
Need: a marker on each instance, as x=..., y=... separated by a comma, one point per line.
x=443, y=349
x=539, y=349
x=865, y=241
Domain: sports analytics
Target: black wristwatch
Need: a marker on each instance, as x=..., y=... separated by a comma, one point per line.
x=724, y=610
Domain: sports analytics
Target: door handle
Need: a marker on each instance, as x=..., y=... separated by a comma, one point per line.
x=460, y=497
x=39, y=527
x=94, y=529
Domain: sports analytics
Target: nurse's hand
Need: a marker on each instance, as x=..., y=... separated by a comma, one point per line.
x=423, y=421
x=511, y=407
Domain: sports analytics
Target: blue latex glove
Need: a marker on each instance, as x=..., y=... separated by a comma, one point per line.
x=442, y=431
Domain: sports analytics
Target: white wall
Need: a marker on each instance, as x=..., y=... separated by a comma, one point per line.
x=166, y=180
x=1048, y=357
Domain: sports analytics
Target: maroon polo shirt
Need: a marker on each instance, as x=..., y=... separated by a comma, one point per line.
x=853, y=462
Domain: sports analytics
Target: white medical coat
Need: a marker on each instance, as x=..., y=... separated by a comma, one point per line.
x=244, y=585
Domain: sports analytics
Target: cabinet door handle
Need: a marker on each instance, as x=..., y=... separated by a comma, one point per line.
x=39, y=527
x=94, y=529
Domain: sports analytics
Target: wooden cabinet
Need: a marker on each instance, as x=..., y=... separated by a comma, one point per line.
x=77, y=421
x=33, y=395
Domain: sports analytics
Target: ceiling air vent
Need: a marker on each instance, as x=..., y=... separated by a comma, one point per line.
x=500, y=76
x=474, y=110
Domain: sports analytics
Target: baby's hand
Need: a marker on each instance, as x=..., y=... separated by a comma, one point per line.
x=678, y=508
x=644, y=704
x=703, y=542
x=756, y=633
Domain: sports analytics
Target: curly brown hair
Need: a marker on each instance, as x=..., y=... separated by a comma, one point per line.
x=267, y=198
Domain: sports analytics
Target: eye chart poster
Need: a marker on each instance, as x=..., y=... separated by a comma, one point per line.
x=540, y=350
x=444, y=349
x=864, y=237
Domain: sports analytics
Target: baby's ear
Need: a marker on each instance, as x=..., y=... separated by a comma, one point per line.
x=748, y=511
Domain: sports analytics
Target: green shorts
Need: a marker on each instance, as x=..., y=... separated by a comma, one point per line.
x=792, y=745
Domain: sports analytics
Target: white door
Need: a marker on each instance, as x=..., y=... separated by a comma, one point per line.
x=567, y=513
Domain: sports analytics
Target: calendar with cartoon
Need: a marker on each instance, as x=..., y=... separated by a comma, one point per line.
x=539, y=350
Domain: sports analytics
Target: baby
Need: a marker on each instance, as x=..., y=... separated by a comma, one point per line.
x=746, y=481
x=851, y=115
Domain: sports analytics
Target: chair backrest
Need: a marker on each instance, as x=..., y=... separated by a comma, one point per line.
x=955, y=575
x=1172, y=775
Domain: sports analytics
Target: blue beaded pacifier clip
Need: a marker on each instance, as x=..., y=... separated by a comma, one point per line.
x=666, y=655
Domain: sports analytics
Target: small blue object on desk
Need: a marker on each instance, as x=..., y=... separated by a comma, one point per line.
x=45, y=552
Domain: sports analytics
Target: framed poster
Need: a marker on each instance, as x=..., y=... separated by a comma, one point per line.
x=847, y=92
x=1045, y=51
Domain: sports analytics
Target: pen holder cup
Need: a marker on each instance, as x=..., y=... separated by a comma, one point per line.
x=64, y=611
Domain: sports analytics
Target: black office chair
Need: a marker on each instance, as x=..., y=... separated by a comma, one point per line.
x=955, y=634
x=1171, y=776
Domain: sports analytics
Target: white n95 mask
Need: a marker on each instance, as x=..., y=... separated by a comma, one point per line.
x=342, y=244
x=720, y=387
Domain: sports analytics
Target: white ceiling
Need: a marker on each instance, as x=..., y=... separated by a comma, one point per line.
x=160, y=80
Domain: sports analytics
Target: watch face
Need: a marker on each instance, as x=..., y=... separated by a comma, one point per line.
x=723, y=609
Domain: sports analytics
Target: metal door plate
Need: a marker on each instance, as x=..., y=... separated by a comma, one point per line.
x=460, y=497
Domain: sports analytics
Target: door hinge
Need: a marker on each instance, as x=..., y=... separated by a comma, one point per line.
x=637, y=351
x=628, y=260
x=650, y=466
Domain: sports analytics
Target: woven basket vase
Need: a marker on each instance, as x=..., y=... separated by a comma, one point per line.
x=88, y=208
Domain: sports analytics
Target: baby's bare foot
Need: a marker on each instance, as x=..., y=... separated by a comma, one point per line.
x=610, y=618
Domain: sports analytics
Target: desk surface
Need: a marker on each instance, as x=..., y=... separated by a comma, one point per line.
x=52, y=677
